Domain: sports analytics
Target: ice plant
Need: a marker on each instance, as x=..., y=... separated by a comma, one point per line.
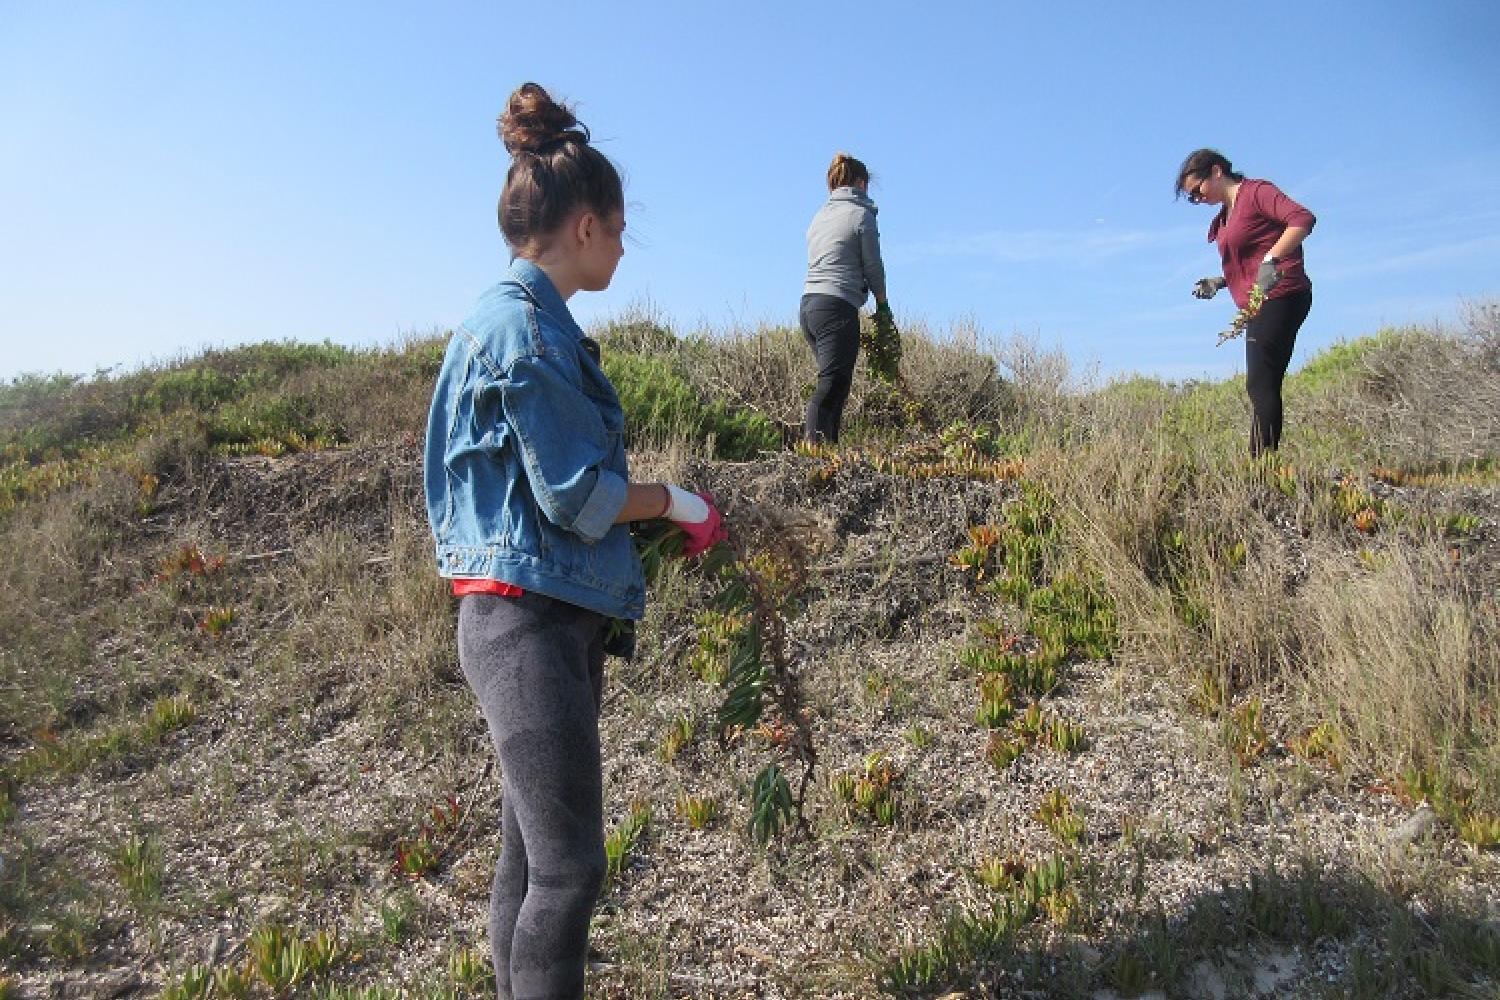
x=1002, y=750
x=699, y=811
x=679, y=734
x=1244, y=732
x=416, y=856
x=1001, y=872
x=882, y=346
x=760, y=572
x=216, y=621
x=623, y=838
x=1056, y=814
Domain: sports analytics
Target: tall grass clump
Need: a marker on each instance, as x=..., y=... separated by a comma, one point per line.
x=1393, y=649
x=388, y=617
x=770, y=371
x=1243, y=578
x=1195, y=573
x=1404, y=656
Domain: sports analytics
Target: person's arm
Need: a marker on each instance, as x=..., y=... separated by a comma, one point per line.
x=1291, y=239
x=694, y=513
x=874, y=267
x=563, y=445
x=645, y=502
x=1274, y=204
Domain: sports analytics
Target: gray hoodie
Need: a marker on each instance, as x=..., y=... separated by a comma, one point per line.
x=843, y=249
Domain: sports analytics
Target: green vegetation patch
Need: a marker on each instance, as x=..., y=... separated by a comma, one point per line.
x=661, y=406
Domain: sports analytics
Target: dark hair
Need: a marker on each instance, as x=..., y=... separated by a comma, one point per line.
x=553, y=171
x=846, y=171
x=1201, y=162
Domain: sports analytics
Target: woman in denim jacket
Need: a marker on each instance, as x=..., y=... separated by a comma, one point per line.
x=529, y=498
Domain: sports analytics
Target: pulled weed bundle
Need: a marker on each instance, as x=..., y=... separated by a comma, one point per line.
x=882, y=346
x=1242, y=318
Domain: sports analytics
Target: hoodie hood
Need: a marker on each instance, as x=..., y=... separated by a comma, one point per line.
x=853, y=195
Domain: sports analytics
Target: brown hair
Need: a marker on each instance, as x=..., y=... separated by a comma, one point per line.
x=1201, y=162
x=553, y=171
x=846, y=171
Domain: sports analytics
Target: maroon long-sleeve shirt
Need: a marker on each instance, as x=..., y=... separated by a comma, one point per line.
x=1260, y=215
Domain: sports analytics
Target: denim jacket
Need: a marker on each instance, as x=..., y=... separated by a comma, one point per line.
x=525, y=466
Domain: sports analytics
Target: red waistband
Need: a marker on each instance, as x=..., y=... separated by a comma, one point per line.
x=496, y=587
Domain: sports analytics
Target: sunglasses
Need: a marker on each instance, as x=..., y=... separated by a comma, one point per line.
x=1195, y=192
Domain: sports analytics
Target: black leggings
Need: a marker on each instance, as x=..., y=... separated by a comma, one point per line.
x=537, y=667
x=1269, y=340
x=831, y=327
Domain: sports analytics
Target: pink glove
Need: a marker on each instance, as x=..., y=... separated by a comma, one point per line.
x=705, y=530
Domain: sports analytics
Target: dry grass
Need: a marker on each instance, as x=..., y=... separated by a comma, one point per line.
x=770, y=370
x=1407, y=658
x=1222, y=578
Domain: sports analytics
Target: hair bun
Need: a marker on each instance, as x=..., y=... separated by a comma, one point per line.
x=532, y=121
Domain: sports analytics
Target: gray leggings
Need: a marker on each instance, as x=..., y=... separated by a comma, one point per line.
x=537, y=667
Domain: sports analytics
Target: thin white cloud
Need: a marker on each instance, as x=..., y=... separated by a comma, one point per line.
x=1359, y=316
x=1372, y=261
x=1035, y=246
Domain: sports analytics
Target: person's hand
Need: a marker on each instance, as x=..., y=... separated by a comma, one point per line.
x=705, y=534
x=1267, y=276
x=698, y=518
x=1207, y=288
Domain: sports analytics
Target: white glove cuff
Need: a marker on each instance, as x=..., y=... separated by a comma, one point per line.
x=685, y=507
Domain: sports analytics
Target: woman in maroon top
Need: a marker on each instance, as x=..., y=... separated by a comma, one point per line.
x=1259, y=231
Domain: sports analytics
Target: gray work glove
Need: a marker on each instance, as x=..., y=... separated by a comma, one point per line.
x=1207, y=288
x=1267, y=276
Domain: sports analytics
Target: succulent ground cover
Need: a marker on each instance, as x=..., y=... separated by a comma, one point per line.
x=1095, y=707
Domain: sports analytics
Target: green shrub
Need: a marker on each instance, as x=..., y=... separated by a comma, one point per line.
x=1345, y=360
x=242, y=393
x=51, y=416
x=741, y=434
x=660, y=406
x=268, y=421
x=658, y=402
x=634, y=333
x=270, y=363
x=196, y=388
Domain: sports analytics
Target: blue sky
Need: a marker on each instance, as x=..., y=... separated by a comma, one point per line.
x=175, y=175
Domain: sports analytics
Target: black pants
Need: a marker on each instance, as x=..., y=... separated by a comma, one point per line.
x=831, y=327
x=1269, y=340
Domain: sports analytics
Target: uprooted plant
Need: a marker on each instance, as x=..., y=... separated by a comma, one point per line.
x=760, y=573
x=1242, y=319
x=881, y=342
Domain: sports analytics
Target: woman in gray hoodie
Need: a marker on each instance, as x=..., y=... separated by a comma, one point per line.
x=843, y=266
